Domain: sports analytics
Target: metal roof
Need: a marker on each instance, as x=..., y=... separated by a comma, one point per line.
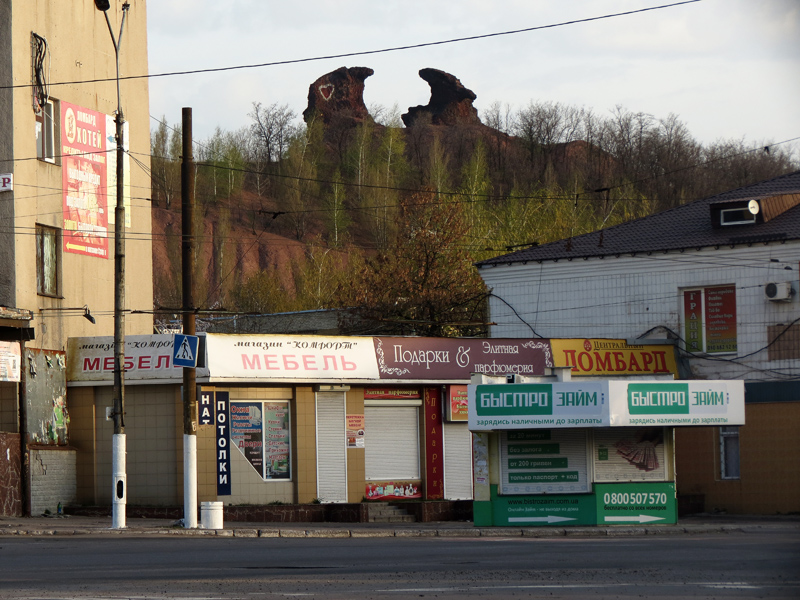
x=684, y=227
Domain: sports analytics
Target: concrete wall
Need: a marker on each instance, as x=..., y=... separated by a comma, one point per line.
x=52, y=478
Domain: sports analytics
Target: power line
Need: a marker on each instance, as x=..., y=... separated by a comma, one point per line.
x=370, y=52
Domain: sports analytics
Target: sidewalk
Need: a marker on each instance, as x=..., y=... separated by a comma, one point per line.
x=75, y=525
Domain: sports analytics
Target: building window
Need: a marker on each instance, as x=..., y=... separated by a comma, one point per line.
x=729, y=452
x=48, y=261
x=45, y=133
x=709, y=319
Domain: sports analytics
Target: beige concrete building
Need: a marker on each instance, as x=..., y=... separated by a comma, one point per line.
x=58, y=100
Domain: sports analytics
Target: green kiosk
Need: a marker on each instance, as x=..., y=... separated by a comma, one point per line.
x=549, y=451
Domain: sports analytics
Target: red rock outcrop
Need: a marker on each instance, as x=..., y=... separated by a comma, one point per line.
x=450, y=103
x=339, y=95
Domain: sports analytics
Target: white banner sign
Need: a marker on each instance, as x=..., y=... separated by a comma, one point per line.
x=305, y=358
x=604, y=404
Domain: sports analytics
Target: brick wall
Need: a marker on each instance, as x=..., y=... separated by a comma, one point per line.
x=53, y=478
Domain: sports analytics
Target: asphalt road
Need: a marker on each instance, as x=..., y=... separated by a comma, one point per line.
x=734, y=565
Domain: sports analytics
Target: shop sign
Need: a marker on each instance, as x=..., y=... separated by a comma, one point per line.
x=392, y=393
x=434, y=445
x=443, y=358
x=543, y=461
x=533, y=405
x=10, y=361
x=84, y=181
x=612, y=357
x=221, y=417
x=260, y=431
x=695, y=402
x=636, y=503
x=457, y=403
x=305, y=358
x=147, y=357
x=393, y=490
x=355, y=431
x=205, y=411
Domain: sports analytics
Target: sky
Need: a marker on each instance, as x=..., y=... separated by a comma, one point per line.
x=729, y=69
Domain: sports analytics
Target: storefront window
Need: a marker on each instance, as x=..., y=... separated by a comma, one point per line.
x=260, y=430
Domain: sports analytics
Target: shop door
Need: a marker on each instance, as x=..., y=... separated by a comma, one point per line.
x=331, y=450
x=457, y=461
x=392, y=443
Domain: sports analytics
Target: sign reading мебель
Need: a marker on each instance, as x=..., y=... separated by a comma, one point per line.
x=538, y=405
x=302, y=358
x=693, y=402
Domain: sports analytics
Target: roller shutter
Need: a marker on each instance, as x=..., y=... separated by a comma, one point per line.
x=331, y=450
x=457, y=461
x=391, y=442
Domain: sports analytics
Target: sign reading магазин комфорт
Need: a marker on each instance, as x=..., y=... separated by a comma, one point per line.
x=605, y=404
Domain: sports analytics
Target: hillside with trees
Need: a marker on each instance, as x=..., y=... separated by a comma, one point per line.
x=385, y=213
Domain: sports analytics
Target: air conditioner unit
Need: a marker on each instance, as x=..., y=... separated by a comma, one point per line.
x=778, y=291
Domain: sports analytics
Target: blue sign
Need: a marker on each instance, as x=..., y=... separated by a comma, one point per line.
x=222, y=412
x=184, y=351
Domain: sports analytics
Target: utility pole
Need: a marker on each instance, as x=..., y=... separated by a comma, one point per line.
x=189, y=373
x=120, y=492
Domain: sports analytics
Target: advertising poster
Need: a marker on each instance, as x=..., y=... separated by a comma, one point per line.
x=629, y=454
x=247, y=432
x=10, y=361
x=84, y=181
x=457, y=404
x=393, y=490
x=355, y=431
x=544, y=510
x=260, y=430
x=720, y=308
x=544, y=461
x=277, y=457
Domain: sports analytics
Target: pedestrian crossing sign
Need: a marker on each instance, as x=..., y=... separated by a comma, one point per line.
x=184, y=351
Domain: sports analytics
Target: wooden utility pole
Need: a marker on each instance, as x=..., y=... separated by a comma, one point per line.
x=189, y=373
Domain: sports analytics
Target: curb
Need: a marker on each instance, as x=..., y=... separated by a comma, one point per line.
x=335, y=532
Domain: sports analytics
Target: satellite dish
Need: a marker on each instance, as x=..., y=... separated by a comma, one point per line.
x=753, y=207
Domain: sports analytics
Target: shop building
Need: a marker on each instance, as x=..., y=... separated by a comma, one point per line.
x=717, y=279
x=58, y=98
x=289, y=419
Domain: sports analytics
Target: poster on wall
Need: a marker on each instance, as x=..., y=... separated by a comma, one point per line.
x=720, y=309
x=355, y=431
x=84, y=181
x=544, y=461
x=457, y=403
x=393, y=490
x=629, y=454
x=260, y=431
x=10, y=361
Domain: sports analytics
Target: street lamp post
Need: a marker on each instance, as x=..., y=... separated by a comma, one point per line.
x=118, y=444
